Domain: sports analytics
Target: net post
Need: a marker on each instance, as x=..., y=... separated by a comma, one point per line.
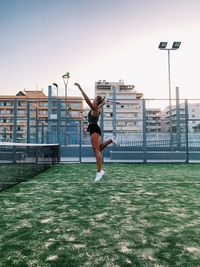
x=58, y=153
x=36, y=154
x=14, y=154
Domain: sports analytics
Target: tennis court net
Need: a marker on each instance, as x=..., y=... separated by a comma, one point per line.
x=21, y=161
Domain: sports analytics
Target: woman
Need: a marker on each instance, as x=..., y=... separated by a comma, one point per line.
x=95, y=131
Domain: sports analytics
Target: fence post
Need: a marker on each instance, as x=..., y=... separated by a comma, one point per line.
x=80, y=141
x=37, y=126
x=49, y=115
x=186, y=131
x=28, y=122
x=144, y=131
x=178, y=132
x=114, y=111
x=15, y=121
x=42, y=135
x=58, y=120
x=102, y=130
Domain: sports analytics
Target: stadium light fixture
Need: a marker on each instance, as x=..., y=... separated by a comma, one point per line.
x=176, y=45
x=162, y=45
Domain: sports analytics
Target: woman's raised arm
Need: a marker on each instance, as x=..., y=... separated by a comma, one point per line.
x=85, y=97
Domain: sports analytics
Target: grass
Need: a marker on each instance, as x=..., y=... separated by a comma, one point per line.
x=137, y=215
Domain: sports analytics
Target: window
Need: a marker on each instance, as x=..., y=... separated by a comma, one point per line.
x=54, y=104
x=63, y=105
x=75, y=113
x=54, y=111
x=21, y=112
x=43, y=112
x=5, y=112
x=9, y=104
x=44, y=104
x=19, y=104
x=75, y=105
x=21, y=121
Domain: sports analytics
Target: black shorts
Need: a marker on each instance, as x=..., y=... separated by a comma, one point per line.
x=94, y=128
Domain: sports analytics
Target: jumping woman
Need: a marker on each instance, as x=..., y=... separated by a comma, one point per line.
x=95, y=131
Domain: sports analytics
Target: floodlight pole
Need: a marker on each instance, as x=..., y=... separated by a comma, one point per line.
x=175, y=46
x=170, y=97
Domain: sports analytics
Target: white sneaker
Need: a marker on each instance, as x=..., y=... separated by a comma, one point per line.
x=114, y=140
x=99, y=176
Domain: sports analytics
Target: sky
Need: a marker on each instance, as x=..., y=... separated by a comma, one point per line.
x=95, y=40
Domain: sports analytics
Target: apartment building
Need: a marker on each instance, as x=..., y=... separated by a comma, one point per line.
x=193, y=117
x=27, y=114
x=153, y=120
x=125, y=117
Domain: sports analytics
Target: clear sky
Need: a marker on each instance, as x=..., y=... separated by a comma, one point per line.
x=99, y=40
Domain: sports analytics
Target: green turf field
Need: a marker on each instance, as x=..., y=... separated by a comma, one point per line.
x=137, y=215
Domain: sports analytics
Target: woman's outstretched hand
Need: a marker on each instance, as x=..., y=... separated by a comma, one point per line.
x=78, y=85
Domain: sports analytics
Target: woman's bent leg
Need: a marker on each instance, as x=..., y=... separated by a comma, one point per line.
x=105, y=144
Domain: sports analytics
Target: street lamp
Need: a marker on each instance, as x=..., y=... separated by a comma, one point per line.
x=175, y=46
x=66, y=80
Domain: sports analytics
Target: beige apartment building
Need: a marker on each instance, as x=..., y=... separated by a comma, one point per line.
x=127, y=117
x=31, y=107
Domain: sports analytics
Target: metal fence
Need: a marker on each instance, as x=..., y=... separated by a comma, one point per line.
x=144, y=128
